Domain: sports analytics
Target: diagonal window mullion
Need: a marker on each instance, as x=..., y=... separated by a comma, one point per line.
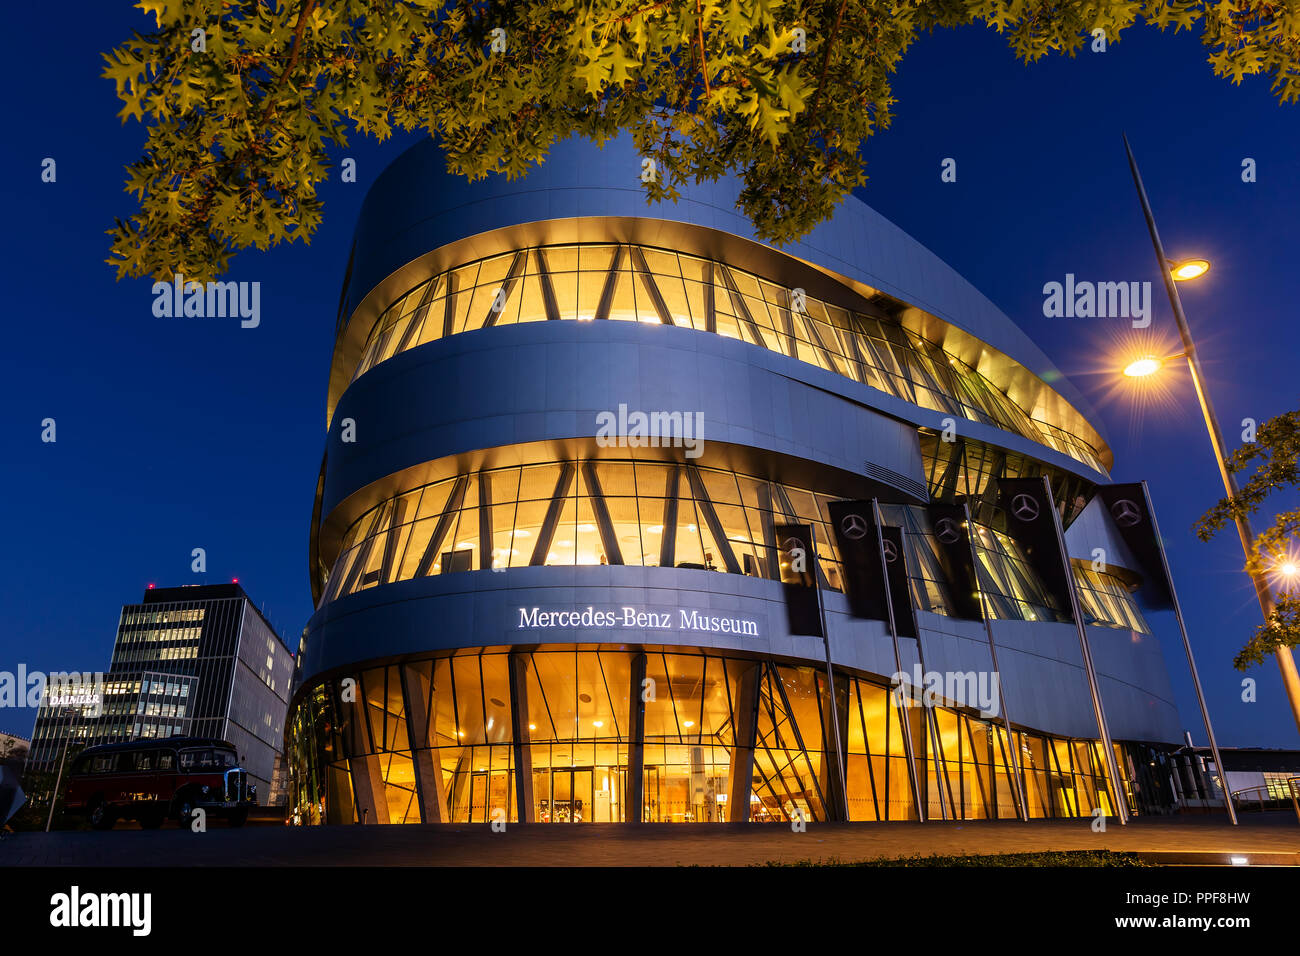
x=553, y=511
x=512, y=276
x=813, y=332
x=762, y=740
x=711, y=519
x=548, y=287
x=652, y=288
x=541, y=691
x=866, y=746
x=394, y=537
x=485, y=556
x=604, y=680
x=668, y=533
x=449, y=306
x=418, y=317
x=740, y=306
x=710, y=293
x=363, y=554
x=449, y=512
x=611, y=284
x=608, y=538
x=767, y=513
x=798, y=737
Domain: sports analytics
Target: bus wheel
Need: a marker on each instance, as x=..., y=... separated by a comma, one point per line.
x=101, y=816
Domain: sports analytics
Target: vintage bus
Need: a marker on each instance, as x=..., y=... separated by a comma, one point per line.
x=151, y=780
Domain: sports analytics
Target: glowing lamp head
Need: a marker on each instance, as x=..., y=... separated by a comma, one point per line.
x=1188, y=269
x=1147, y=365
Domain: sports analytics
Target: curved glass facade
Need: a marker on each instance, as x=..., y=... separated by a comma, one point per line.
x=589, y=512
x=963, y=469
x=439, y=701
x=560, y=735
x=660, y=514
x=636, y=283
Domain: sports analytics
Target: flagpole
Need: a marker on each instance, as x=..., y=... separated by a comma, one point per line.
x=830, y=674
x=1121, y=806
x=1191, y=661
x=1022, y=806
x=898, y=669
x=54, y=798
x=1263, y=590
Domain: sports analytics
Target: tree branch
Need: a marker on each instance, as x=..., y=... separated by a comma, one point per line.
x=299, y=29
x=826, y=60
x=704, y=58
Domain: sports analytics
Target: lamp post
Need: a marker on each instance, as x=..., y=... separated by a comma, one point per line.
x=1173, y=273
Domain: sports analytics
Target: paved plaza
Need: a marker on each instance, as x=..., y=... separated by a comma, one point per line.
x=1272, y=839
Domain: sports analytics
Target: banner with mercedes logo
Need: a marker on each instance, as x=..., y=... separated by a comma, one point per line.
x=900, y=591
x=1028, y=507
x=799, y=578
x=860, y=546
x=949, y=524
x=1130, y=511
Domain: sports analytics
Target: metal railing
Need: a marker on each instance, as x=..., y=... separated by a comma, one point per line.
x=1293, y=786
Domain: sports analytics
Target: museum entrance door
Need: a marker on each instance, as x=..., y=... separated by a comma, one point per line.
x=578, y=794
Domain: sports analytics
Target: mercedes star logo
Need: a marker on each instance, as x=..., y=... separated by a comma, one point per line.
x=1125, y=513
x=891, y=553
x=947, y=531
x=1024, y=507
x=853, y=526
x=790, y=544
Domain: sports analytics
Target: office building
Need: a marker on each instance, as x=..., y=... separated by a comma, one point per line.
x=197, y=660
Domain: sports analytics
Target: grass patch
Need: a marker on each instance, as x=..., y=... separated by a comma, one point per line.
x=1046, y=858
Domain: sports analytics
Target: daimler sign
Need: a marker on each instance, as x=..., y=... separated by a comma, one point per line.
x=623, y=617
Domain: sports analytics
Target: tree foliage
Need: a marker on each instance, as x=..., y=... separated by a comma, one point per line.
x=241, y=116
x=1275, y=455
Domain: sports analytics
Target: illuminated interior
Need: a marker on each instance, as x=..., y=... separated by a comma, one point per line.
x=967, y=469
x=439, y=741
x=636, y=283
x=664, y=514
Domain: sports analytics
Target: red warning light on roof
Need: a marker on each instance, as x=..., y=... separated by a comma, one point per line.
x=234, y=580
x=151, y=587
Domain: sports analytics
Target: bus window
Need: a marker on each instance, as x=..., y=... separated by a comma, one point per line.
x=166, y=760
x=143, y=762
x=207, y=760
x=104, y=763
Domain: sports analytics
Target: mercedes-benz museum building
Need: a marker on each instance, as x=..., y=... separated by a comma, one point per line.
x=563, y=428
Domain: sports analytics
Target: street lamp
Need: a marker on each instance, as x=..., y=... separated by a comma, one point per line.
x=1147, y=365
x=1142, y=367
x=1188, y=269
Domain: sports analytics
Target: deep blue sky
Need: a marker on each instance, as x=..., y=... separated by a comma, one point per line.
x=181, y=434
